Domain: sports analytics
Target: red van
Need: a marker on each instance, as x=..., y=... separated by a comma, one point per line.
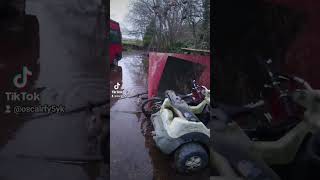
x=115, y=47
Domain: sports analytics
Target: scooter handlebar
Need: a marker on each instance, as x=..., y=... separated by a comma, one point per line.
x=299, y=80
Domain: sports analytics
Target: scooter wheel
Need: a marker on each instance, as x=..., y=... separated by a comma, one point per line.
x=191, y=157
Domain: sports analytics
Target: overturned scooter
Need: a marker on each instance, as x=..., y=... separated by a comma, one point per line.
x=178, y=130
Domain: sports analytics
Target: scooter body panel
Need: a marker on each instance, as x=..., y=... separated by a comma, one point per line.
x=310, y=100
x=284, y=150
x=177, y=126
x=171, y=130
x=168, y=144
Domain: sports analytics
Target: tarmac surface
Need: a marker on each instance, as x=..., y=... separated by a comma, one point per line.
x=133, y=154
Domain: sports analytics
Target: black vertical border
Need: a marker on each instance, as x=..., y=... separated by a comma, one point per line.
x=107, y=14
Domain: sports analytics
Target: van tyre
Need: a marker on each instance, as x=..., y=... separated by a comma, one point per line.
x=191, y=157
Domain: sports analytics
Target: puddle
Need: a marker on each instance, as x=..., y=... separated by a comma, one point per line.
x=133, y=151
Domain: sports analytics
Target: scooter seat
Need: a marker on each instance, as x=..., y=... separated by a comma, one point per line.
x=180, y=105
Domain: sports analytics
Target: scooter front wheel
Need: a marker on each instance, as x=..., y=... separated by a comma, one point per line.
x=191, y=157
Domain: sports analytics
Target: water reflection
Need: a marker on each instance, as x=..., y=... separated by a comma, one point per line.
x=133, y=151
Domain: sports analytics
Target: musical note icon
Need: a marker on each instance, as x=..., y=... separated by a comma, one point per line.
x=20, y=80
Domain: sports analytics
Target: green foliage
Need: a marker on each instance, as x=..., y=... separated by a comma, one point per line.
x=135, y=42
x=147, y=40
x=176, y=47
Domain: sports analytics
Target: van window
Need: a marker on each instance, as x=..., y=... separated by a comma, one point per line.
x=115, y=37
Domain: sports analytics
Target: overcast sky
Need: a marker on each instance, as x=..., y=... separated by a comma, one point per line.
x=118, y=12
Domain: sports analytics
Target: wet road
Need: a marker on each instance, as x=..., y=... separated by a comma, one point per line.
x=133, y=153
x=71, y=71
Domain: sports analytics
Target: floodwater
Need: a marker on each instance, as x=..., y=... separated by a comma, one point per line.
x=62, y=47
x=133, y=154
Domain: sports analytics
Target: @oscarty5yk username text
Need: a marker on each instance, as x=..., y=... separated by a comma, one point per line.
x=48, y=109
